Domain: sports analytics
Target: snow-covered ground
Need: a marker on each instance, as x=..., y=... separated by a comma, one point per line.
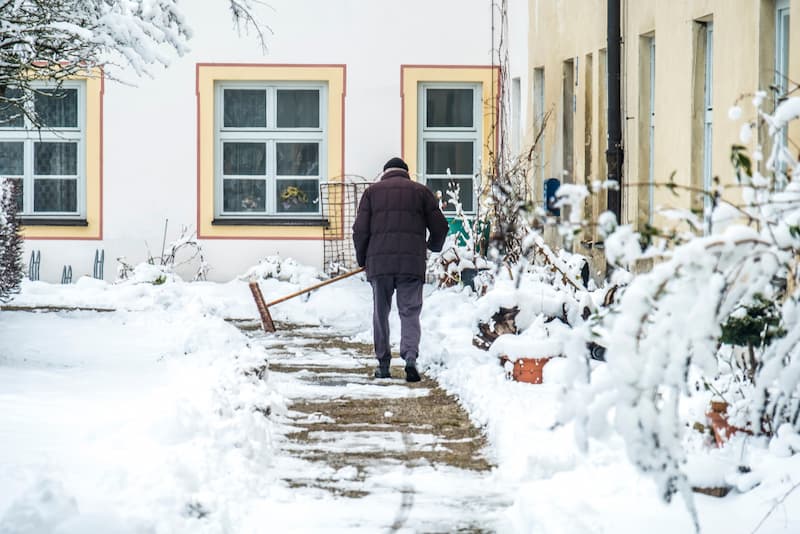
x=143, y=419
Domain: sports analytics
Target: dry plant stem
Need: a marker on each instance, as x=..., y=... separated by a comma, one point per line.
x=553, y=262
x=243, y=14
x=774, y=507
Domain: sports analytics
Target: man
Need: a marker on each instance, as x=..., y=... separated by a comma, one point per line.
x=390, y=239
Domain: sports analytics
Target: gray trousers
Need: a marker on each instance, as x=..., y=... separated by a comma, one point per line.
x=409, y=304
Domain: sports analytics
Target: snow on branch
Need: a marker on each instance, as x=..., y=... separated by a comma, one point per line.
x=53, y=40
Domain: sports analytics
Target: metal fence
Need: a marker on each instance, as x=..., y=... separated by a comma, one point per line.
x=339, y=207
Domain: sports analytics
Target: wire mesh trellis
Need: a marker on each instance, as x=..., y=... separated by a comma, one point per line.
x=339, y=206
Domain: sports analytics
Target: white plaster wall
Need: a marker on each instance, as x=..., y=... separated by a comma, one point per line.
x=150, y=129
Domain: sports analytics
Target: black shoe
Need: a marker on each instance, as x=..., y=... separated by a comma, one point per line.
x=382, y=372
x=412, y=375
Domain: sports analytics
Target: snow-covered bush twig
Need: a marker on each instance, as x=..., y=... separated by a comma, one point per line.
x=57, y=39
x=665, y=333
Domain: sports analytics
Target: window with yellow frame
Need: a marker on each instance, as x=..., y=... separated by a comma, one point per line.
x=268, y=136
x=47, y=163
x=449, y=126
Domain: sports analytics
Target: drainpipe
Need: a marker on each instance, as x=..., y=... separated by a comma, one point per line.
x=614, y=153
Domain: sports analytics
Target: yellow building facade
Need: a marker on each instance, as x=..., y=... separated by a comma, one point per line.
x=684, y=64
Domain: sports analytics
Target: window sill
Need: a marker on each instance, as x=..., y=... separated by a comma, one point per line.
x=242, y=221
x=35, y=221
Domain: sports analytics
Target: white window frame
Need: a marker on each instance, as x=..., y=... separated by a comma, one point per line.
x=538, y=119
x=782, y=30
x=708, y=119
x=459, y=134
x=516, y=113
x=651, y=149
x=29, y=135
x=270, y=136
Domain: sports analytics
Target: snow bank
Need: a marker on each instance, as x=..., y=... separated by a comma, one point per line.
x=554, y=484
x=130, y=422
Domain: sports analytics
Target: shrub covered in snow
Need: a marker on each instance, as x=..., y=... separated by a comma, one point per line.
x=717, y=314
x=58, y=39
x=10, y=240
x=463, y=251
x=184, y=251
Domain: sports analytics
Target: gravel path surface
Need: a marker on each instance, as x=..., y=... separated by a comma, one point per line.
x=374, y=455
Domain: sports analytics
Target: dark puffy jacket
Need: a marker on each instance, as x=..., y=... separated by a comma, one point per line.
x=389, y=232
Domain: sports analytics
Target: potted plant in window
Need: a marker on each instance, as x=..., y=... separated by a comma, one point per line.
x=293, y=198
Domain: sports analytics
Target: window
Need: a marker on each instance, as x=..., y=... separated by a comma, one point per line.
x=651, y=145
x=646, y=127
x=48, y=162
x=782, y=74
x=702, y=117
x=601, y=200
x=448, y=129
x=538, y=124
x=449, y=139
x=708, y=108
x=568, y=106
x=782, y=46
x=270, y=142
x=267, y=136
x=588, y=134
x=516, y=112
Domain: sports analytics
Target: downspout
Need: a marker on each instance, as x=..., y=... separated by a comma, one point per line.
x=614, y=153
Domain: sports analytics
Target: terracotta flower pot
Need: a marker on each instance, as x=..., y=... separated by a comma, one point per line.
x=527, y=369
x=717, y=414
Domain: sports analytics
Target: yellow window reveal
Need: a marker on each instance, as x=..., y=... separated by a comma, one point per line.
x=449, y=116
x=61, y=166
x=267, y=137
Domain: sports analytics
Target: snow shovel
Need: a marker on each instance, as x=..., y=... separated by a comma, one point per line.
x=263, y=309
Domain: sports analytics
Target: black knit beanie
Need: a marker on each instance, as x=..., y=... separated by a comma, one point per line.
x=396, y=163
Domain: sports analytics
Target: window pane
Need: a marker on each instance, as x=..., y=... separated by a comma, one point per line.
x=298, y=108
x=57, y=109
x=455, y=156
x=465, y=191
x=244, y=195
x=12, y=159
x=55, y=159
x=55, y=195
x=245, y=108
x=11, y=114
x=298, y=159
x=244, y=159
x=449, y=108
x=298, y=196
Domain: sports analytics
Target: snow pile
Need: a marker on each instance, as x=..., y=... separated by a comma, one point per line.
x=197, y=449
x=179, y=436
x=287, y=270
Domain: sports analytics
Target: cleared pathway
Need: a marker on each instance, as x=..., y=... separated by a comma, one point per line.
x=360, y=454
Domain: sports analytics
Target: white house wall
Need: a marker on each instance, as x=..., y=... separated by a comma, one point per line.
x=150, y=129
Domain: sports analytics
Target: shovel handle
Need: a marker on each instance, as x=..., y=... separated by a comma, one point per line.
x=316, y=286
x=266, y=318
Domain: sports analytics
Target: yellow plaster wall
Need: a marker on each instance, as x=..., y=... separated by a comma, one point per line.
x=94, y=173
x=207, y=74
x=677, y=131
x=412, y=76
x=556, y=35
